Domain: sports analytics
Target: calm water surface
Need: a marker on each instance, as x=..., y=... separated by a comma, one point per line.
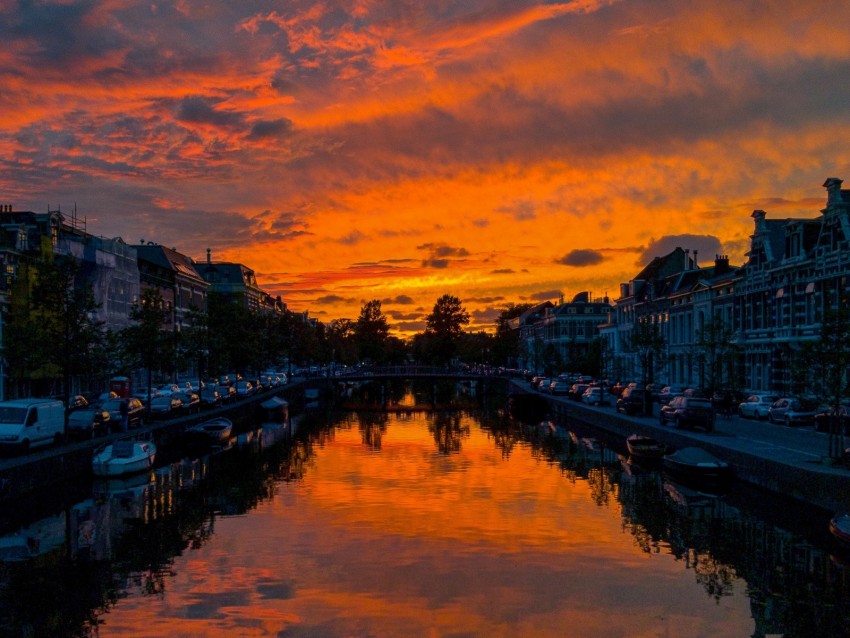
x=424, y=524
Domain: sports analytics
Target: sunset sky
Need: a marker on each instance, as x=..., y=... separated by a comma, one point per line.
x=498, y=150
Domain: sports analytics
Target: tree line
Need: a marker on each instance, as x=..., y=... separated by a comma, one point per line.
x=53, y=344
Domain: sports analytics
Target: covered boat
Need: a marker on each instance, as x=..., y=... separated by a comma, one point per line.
x=124, y=456
x=642, y=447
x=217, y=430
x=276, y=409
x=697, y=464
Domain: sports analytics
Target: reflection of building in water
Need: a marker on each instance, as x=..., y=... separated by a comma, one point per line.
x=788, y=579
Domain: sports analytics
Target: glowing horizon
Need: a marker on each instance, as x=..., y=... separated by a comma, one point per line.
x=500, y=151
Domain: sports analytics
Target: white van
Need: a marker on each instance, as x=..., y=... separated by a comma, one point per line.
x=26, y=423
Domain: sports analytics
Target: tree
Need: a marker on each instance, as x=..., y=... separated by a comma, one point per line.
x=371, y=331
x=828, y=361
x=444, y=326
x=647, y=342
x=63, y=306
x=506, y=344
x=716, y=353
x=146, y=344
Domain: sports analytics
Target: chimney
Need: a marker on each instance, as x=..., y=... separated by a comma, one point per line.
x=687, y=259
x=209, y=259
x=721, y=264
x=696, y=252
x=833, y=190
x=758, y=216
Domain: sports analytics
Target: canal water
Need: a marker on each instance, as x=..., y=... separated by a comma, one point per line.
x=418, y=521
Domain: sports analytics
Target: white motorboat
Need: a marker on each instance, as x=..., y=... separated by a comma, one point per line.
x=124, y=456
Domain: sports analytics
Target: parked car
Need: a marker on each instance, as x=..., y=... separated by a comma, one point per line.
x=77, y=402
x=756, y=406
x=631, y=401
x=191, y=402
x=559, y=387
x=167, y=389
x=87, y=423
x=824, y=419
x=688, y=412
x=654, y=390
x=142, y=395
x=592, y=396
x=791, y=411
x=135, y=412
x=576, y=390
x=666, y=394
x=227, y=392
x=244, y=389
x=210, y=397
x=165, y=407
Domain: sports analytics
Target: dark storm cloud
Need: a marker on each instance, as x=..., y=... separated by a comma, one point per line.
x=440, y=253
x=332, y=299
x=397, y=315
x=581, y=257
x=545, y=295
x=503, y=271
x=400, y=299
x=201, y=110
x=443, y=250
x=270, y=128
x=707, y=246
x=58, y=34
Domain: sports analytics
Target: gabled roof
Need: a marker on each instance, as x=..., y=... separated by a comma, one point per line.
x=169, y=259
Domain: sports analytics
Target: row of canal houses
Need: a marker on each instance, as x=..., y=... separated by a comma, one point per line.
x=769, y=306
x=119, y=272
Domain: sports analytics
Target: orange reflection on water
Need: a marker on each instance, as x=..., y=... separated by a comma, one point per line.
x=410, y=542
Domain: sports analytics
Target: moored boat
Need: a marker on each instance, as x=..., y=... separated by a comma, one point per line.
x=839, y=527
x=124, y=456
x=698, y=465
x=216, y=430
x=645, y=447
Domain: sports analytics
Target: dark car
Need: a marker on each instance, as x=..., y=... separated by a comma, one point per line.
x=688, y=412
x=87, y=423
x=631, y=401
x=191, y=402
x=834, y=419
x=210, y=397
x=135, y=412
x=165, y=407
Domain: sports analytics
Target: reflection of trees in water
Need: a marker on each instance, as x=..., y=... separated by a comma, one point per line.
x=448, y=430
x=373, y=426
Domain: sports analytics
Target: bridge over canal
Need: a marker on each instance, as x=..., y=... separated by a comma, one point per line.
x=371, y=373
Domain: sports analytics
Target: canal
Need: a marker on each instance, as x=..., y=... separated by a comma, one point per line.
x=424, y=519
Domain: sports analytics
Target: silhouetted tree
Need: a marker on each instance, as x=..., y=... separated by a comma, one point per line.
x=371, y=331
x=443, y=328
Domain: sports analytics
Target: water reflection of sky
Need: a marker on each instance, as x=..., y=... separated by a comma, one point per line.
x=409, y=542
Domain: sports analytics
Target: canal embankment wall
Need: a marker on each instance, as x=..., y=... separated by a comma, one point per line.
x=54, y=467
x=813, y=481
